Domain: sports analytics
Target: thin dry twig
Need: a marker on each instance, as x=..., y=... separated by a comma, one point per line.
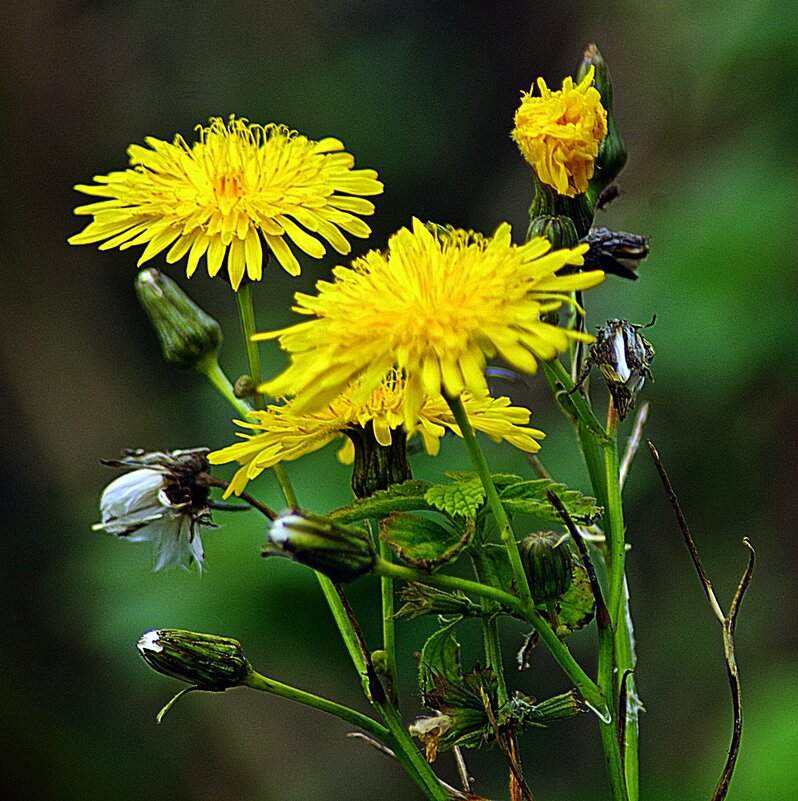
x=633, y=443
x=727, y=622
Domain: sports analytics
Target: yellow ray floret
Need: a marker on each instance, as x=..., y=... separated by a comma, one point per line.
x=436, y=305
x=239, y=190
x=284, y=434
x=560, y=133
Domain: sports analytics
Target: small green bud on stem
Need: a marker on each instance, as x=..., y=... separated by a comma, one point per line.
x=343, y=553
x=548, y=564
x=207, y=661
x=186, y=333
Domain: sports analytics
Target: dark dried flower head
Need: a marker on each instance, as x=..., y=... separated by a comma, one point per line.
x=615, y=252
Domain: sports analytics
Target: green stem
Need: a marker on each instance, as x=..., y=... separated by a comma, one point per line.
x=490, y=626
x=247, y=314
x=556, y=374
x=388, y=623
x=586, y=686
x=494, y=503
x=209, y=367
x=258, y=682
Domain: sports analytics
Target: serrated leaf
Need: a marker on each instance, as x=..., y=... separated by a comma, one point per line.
x=424, y=542
x=405, y=497
x=529, y=497
x=463, y=498
x=498, y=565
x=440, y=659
x=499, y=479
x=577, y=607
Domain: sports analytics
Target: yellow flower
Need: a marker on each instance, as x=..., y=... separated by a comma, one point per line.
x=560, y=133
x=222, y=195
x=436, y=305
x=285, y=434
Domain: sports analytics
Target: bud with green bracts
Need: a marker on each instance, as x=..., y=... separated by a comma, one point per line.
x=548, y=564
x=558, y=229
x=207, y=661
x=549, y=203
x=343, y=553
x=612, y=154
x=186, y=333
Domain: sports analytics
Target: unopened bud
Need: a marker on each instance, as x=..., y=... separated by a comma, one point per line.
x=624, y=357
x=245, y=387
x=548, y=564
x=341, y=552
x=615, y=252
x=612, y=153
x=558, y=229
x=207, y=661
x=186, y=333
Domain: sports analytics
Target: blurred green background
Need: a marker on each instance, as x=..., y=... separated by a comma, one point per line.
x=425, y=93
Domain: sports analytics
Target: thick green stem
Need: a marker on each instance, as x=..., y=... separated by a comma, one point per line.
x=388, y=623
x=209, y=367
x=494, y=502
x=352, y=716
x=586, y=686
x=247, y=314
x=561, y=381
x=490, y=626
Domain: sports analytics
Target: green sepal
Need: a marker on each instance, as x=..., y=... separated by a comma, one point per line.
x=421, y=599
x=525, y=711
x=423, y=542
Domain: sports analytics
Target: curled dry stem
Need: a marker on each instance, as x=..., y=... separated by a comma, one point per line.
x=727, y=622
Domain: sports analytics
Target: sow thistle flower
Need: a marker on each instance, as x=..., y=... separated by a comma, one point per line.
x=560, y=132
x=239, y=186
x=435, y=306
x=285, y=434
x=163, y=501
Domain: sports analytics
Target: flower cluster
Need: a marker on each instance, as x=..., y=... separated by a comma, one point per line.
x=560, y=132
x=285, y=434
x=436, y=305
x=237, y=187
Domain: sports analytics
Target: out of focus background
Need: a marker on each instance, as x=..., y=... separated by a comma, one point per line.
x=424, y=92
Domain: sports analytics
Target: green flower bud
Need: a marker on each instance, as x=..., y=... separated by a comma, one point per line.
x=559, y=230
x=341, y=552
x=612, y=153
x=207, y=661
x=245, y=387
x=548, y=564
x=376, y=466
x=624, y=358
x=548, y=203
x=186, y=333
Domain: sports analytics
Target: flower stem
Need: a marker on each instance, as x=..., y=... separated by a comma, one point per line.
x=247, y=314
x=258, y=682
x=586, y=686
x=209, y=367
x=388, y=623
x=561, y=382
x=494, y=503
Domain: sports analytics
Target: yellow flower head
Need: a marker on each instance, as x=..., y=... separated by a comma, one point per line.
x=285, y=434
x=436, y=305
x=239, y=185
x=560, y=133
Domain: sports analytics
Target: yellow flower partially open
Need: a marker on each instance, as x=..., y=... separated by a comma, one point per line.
x=435, y=306
x=284, y=434
x=560, y=132
x=240, y=186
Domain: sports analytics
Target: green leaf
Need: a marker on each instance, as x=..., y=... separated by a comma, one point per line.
x=423, y=542
x=497, y=564
x=440, y=659
x=529, y=497
x=499, y=479
x=577, y=607
x=463, y=498
x=445, y=689
x=405, y=497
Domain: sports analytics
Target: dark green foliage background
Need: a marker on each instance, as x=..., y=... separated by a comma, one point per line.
x=424, y=92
